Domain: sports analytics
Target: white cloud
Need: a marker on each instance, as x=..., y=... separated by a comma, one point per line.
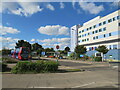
x=4, y=30
x=8, y=42
x=91, y=7
x=32, y=40
x=21, y=8
x=62, y=5
x=54, y=30
x=8, y=39
x=50, y=7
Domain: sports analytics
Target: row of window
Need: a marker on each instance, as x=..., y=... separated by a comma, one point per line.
x=97, y=37
x=109, y=47
x=100, y=24
x=93, y=32
x=104, y=35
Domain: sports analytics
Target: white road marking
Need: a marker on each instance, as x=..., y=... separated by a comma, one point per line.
x=84, y=85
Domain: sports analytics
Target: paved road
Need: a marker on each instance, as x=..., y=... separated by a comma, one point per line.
x=96, y=75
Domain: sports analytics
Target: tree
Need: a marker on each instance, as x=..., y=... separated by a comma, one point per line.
x=80, y=49
x=37, y=48
x=103, y=49
x=67, y=49
x=49, y=50
x=22, y=43
x=6, y=51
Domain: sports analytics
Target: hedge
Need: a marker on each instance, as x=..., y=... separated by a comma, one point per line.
x=35, y=67
x=98, y=59
x=3, y=67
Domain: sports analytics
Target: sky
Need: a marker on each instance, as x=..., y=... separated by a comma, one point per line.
x=47, y=23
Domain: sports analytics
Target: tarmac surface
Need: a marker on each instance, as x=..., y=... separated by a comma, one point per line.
x=96, y=75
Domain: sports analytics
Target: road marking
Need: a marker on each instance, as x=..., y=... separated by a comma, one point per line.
x=84, y=85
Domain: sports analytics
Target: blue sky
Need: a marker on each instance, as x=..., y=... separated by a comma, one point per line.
x=47, y=23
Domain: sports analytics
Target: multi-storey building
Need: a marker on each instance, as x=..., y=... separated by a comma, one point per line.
x=74, y=35
x=101, y=31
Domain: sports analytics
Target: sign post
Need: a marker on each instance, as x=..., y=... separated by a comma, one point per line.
x=57, y=47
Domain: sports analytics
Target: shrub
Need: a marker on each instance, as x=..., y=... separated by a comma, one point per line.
x=98, y=59
x=9, y=60
x=35, y=67
x=3, y=67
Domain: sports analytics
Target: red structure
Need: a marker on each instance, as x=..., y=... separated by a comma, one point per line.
x=21, y=53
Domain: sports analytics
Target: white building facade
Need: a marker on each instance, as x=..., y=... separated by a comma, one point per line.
x=100, y=31
x=74, y=37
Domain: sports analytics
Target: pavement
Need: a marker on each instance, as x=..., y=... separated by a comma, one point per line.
x=96, y=75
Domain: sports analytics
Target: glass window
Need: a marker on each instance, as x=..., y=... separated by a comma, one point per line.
x=100, y=24
x=82, y=30
x=88, y=33
x=110, y=20
x=118, y=17
x=104, y=22
x=93, y=38
x=100, y=30
x=85, y=34
x=96, y=37
x=93, y=32
x=94, y=26
x=79, y=31
x=96, y=31
x=104, y=28
x=119, y=24
x=104, y=35
x=87, y=29
x=114, y=19
x=87, y=39
x=90, y=27
x=110, y=34
x=114, y=46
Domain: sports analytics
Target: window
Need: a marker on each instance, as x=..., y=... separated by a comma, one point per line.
x=114, y=19
x=94, y=26
x=87, y=29
x=110, y=20
x=85, y=34
x=88, y=33
x=93, y=32
x=100, y=30
x=104, y=22
x=82, y=30
x=79, y=31
x=110, y=34
x=83, y=40
x=104, y=29
x=87, y=39
x=93, y=38
x=104, y=35
x=119, y=24
x=118, y=17
x=90, y=27
x=114, y=46
x=96, y=31
x=96, y=37
x=100, y=24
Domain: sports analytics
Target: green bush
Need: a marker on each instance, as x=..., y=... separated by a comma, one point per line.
x=98, y=59
x=35, y=67
x=9, y=60
x=3, y=67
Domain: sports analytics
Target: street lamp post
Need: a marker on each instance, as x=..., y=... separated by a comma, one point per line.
x=57, y=47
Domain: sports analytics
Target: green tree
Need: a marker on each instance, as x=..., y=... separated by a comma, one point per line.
x=22, y=43
x=49, y=50
x=6, y=51
x=37, y=48
x=80, y=49
x=67, y=49
x=103, y=49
